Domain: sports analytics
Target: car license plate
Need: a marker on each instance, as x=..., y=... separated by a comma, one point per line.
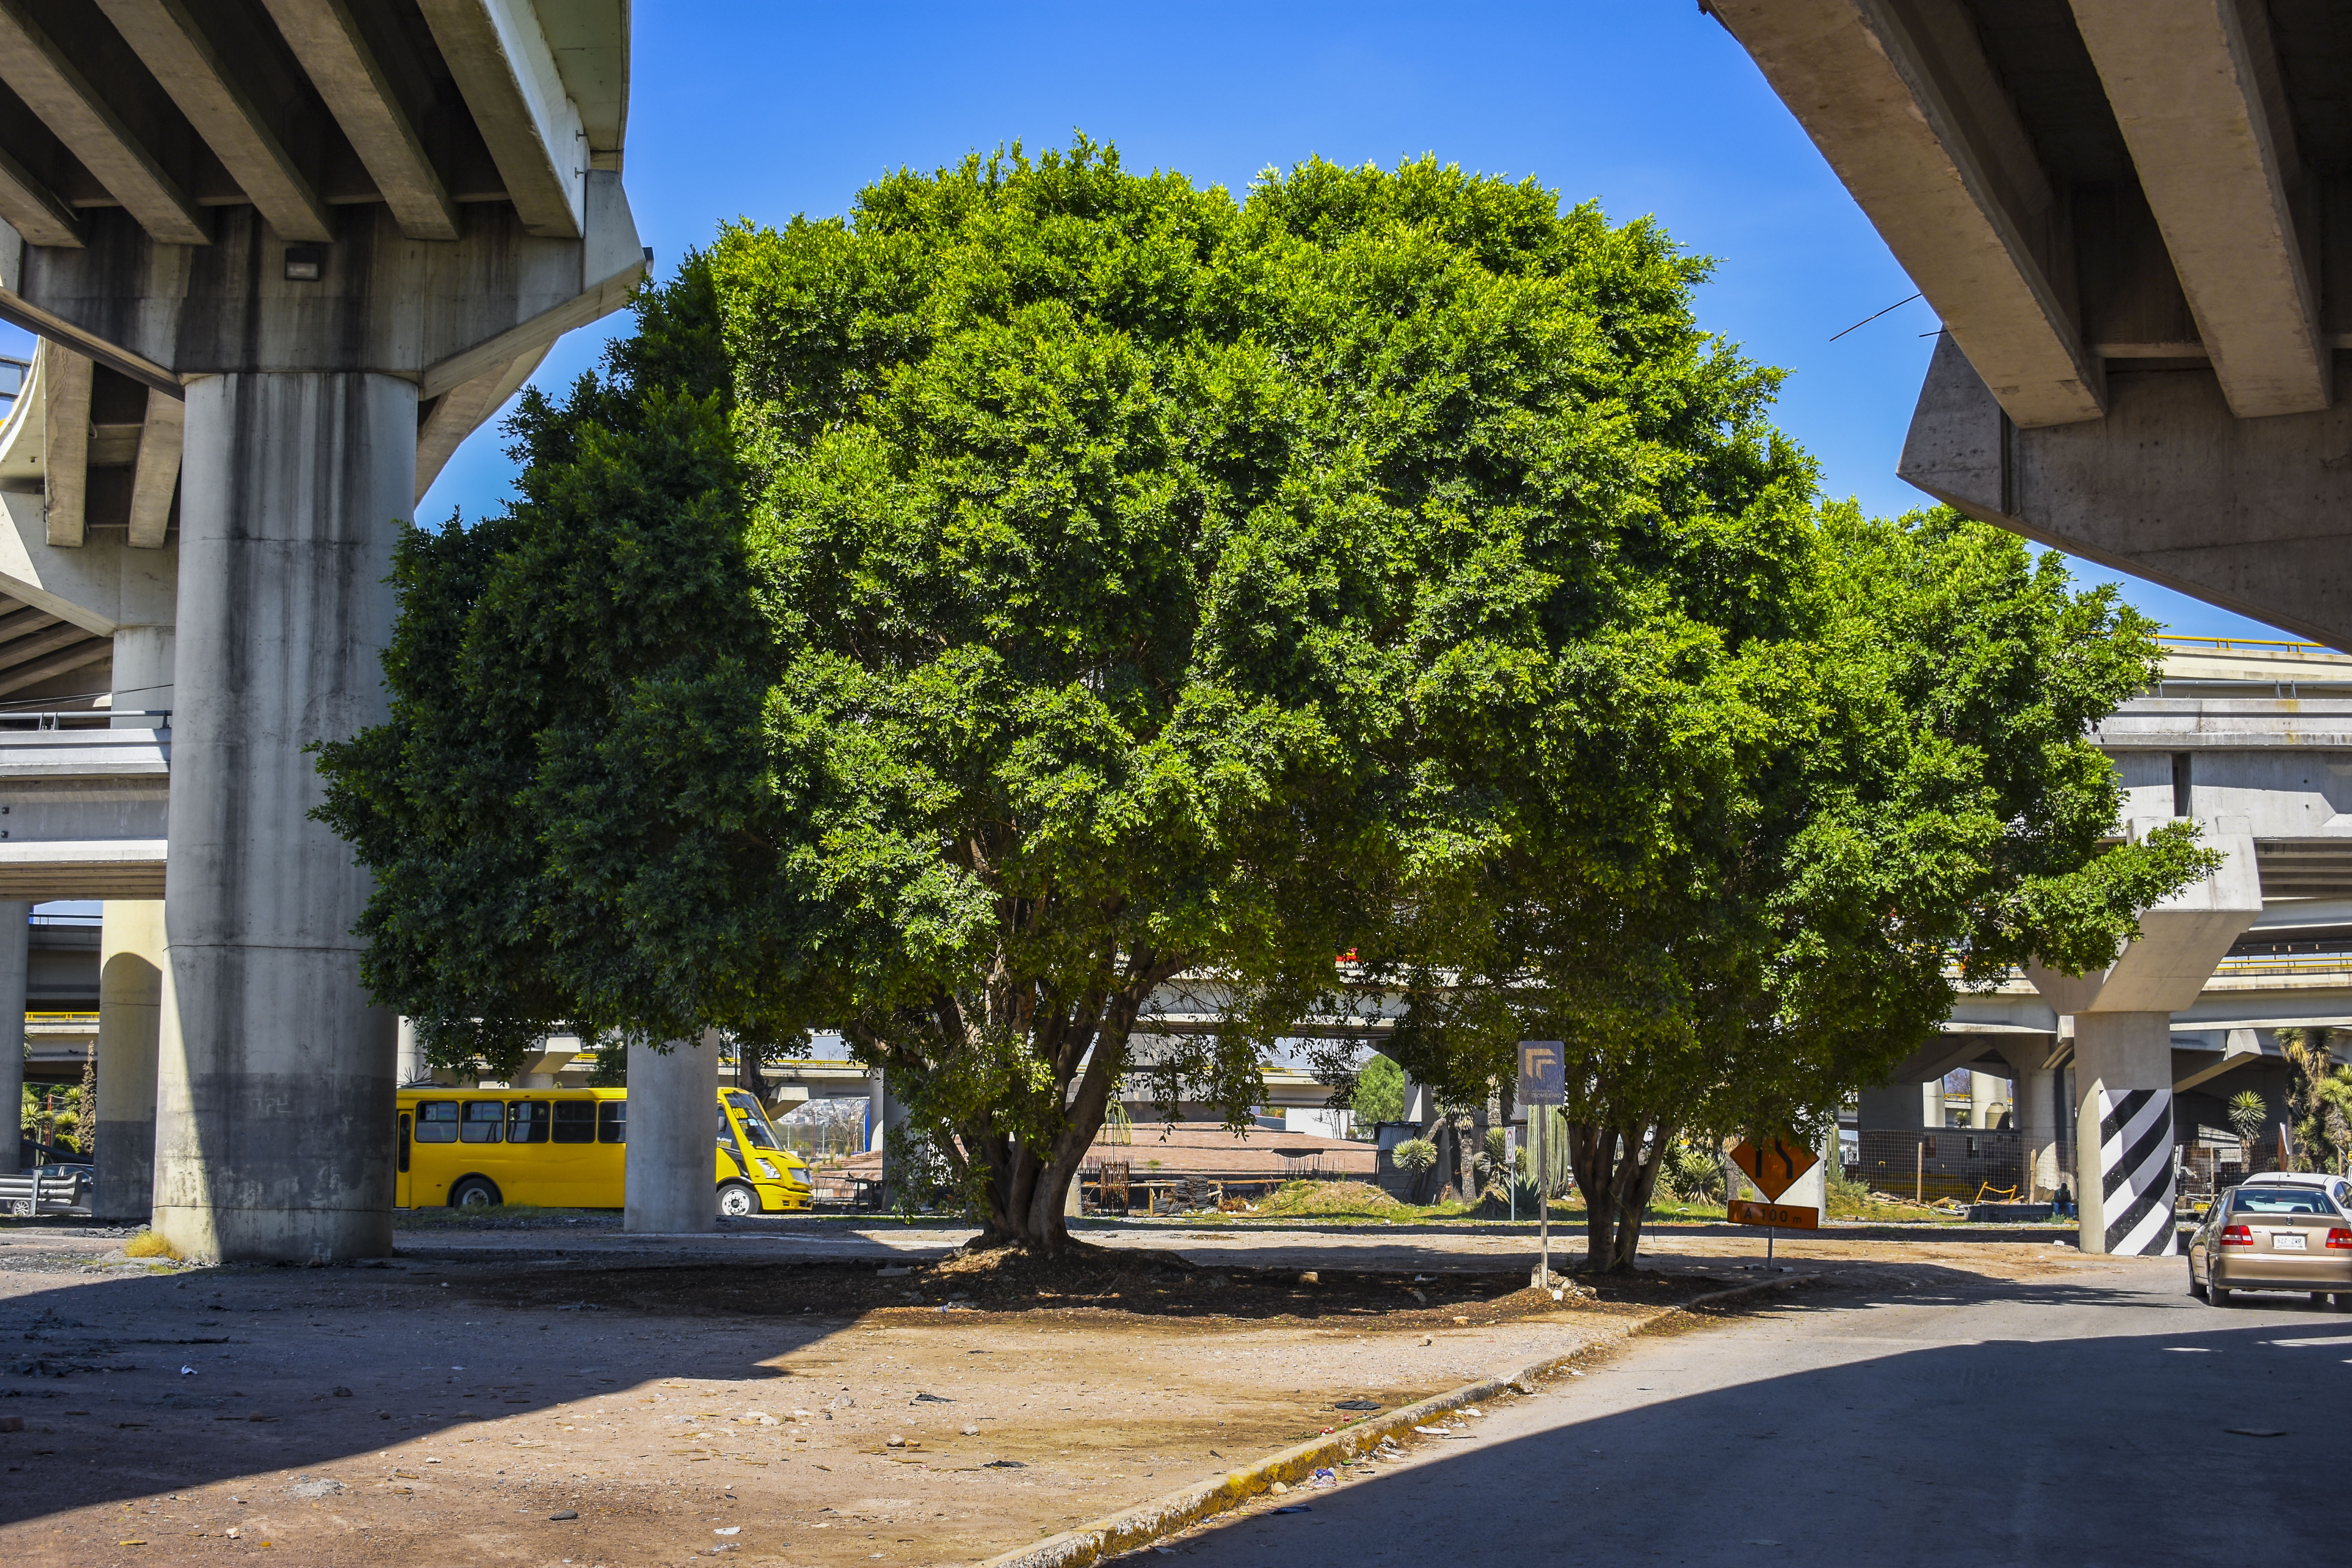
x=2287, y=1241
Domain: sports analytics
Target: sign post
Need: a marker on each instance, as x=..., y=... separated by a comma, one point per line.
x=1543, y=1083
x=1774, y=1165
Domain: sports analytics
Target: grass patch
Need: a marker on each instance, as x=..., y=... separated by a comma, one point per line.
x=1852, y=1200
x=147, y=1244
x=1333, y=1199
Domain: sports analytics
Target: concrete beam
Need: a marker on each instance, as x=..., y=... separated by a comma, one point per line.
x=507, y=76
x=2187, y=80
x=460, y=411
x=326, y=37
x=1941, y=1054
x=30, y=646
x=1899, y=98
x=2254, y=515
x=614, y=264
x=64, y=100
x=2180, y=940
x=170, y=42
x=156, y=478
x=590, y=40
x=64, y=868
x=100, y=587
x=81, y=655
x=64, y=392
x=32, y=209
x=2239, y=1048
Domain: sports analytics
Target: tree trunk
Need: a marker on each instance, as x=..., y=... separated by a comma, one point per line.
x=1617, y=1174
x=1466, y=1159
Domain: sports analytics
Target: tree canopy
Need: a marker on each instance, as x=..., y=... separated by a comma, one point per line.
x=1049, y=589
x=1910, y=802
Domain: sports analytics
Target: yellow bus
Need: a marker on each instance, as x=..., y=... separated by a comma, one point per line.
x=561, y=1148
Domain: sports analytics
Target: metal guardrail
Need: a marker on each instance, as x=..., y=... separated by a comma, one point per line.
x=84, y=719
x=24, y=1195
x=2267, y=963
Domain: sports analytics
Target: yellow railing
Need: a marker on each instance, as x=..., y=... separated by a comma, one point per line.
x=61, y=1017
x=2250, y=645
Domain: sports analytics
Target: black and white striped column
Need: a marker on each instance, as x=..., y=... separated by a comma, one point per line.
x=2123, y=1150
x=2136, y=1170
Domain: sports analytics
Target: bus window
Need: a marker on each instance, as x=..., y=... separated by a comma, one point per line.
x=612, y=1121
x=403, y=1139
x=575, y=1122
x=726, y=1129
x=437, y=1121
x=526, y=1121
x=756, y=1130
x=483, y=1118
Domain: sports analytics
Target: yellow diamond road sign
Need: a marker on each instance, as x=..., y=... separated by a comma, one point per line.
x=1774, y=1163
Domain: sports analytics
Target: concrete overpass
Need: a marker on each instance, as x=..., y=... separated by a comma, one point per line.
x=282, y=256
x=2134, y=217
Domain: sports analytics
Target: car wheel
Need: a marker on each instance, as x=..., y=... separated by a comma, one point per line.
x=474, y=1193
x=2218, y=1294
x=2195, y=1289
x=736, y=1200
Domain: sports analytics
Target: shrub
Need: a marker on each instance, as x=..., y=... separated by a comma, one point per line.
x=1414, y=1155
x=1693, y=1173
x=147, y=1244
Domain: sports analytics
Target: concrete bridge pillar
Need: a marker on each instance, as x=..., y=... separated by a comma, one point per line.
x=2123, y=1045
x=2033, y=1093
x=294, y=489
x=130, y=956
x=131, y=962
x=671, y=1157
x=15, y=953
x=2123, y=1131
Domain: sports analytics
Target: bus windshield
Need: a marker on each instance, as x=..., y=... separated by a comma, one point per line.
x=756, y=1130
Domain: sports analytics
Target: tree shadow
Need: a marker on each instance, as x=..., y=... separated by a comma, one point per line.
x=2095, y=1448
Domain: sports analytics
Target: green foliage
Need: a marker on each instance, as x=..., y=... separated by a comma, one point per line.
x=1379, y=1093
x=1892, y=795
x=950, y=623
x=2331, y=1098
x=1694, y=1173
x=2247, y=1111
x=1414, y=1155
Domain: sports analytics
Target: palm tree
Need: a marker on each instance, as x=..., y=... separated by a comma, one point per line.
x=2247, y=1110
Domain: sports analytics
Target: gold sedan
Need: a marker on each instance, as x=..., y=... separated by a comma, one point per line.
x=2273, y=1237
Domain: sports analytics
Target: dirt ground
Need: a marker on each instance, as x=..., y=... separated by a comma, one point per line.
x=816, y=1396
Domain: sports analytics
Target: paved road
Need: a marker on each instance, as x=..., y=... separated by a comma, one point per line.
x=2080, y=1421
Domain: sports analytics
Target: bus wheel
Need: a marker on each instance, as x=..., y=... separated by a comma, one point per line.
x=474, y=1193
x=736, y=1200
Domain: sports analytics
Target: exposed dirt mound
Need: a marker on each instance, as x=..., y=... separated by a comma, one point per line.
x=1321, y=1198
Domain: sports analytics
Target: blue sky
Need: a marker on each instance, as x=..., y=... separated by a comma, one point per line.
x=767, y=109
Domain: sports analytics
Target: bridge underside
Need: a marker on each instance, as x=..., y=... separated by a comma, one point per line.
x=2134, y=217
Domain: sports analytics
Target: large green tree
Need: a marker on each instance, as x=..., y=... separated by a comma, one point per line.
x=1909, y=804
x=1051, y=597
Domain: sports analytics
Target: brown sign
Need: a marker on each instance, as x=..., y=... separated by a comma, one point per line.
x=1785, y=1216
x=1773, y=1165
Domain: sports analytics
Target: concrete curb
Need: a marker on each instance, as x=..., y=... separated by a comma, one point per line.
x=1164, y=1515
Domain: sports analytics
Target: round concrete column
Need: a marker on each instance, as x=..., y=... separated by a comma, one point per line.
x=2122, y=1176
x=274, y=1085
x=15, y=953
x=129, y=1011
x=130, y=969
x=2034, y=1092
x=671, y=1159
